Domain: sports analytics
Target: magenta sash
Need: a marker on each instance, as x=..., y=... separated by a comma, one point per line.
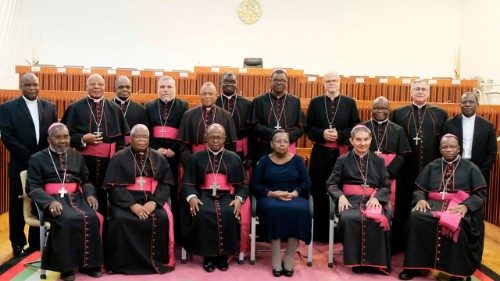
x=371, y=213
x=165, y=132
x=127, y=140
x=449, y=223
x=292, y=148
x=242, y=146
x=53, y=188
x=105, y=150
x=343, y=149
x=220, y=179
x=198, y=147
x=150, y=185
x=387, y=160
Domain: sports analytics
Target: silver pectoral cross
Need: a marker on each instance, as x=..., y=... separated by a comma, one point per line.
x=163, y=132
x=443, y=194
x=416, y=139
x=277, y=127
x=141, y=182
x=214, y=186
x=62, y=191
x=364, y=185
x=331, y=126
x=378, y=151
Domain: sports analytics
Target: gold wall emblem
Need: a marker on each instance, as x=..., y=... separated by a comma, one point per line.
x=249, y=11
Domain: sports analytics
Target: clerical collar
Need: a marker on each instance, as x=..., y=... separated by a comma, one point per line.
x=334, y=95
x=276, y=95
x=419, y=106
x=29, y=101
x=215, y=153
x=453, y=161
x=469, y=118
x=229, y=97
x=141, y=153
x=380, y=122
x=208, y=108
x=359, y=156
x=53, y=150
x=119, y=100
x=96, y=100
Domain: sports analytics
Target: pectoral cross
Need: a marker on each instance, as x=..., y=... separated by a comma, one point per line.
x=378, y=151
x=163, y=132
x=277, y=127
x=141, y=182
x=214, y=186
x=364, y=185
x=331, y=126
x=443, y=193
x=416, y=139
x=98, y=132
x=62, y=191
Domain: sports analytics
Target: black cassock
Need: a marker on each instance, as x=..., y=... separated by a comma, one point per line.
x=427, y=247
x=214, y=230
x=74, y=240
x=269, y=113
x=82, y=117
x=133, y=245
x=428, y=122
x=239, y=108
x=134, y=114
x=365, y=242
x=343, y=115
x=196, y=120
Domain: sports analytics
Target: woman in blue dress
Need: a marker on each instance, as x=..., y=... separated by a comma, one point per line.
x=282, y=185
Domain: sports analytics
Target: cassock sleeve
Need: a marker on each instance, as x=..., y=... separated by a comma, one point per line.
x=422, y=185
x=259, y=186
x=383, y=192
x=121, y=197
x=304, y=187
x=189, y=185
x=315, y=134
x=69, y=119
x=403, y=147
x=240, y=188
x=297, y=130
x=35, y=184
x=87, y=187
x=479, y=193
x=334, y=182
x=162, y=192
x=345, y=134
x=255, y=117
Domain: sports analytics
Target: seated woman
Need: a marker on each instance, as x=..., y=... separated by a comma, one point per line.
x=447, y=218
x=282, y=186
x=360, y=185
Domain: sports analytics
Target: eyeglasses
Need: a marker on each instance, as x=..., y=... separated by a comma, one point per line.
x=140, y=137
x=29, y=85
x=216, y=138
x=61, y=138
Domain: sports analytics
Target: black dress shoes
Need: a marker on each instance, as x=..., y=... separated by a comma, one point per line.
x=92, y=271
x=208, y=264
x=68, y=276
x=277, y=272
x=358, y=269
x=288, y=272
x=18, y=251
x=222, y=264
x=407, y=274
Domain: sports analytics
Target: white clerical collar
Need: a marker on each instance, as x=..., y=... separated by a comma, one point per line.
x=29, y=101
x=121, y=101
x=53, y=150
x=96, y=100
x=208, y=108
x=381, y=122
x=469, y=118
x=215, y=153
x=229, y=97
x=452, y=161
x=419, y=106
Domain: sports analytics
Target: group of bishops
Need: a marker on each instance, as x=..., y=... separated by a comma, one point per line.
x=131, y=177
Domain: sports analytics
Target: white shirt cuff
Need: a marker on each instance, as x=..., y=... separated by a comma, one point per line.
x=190, y=196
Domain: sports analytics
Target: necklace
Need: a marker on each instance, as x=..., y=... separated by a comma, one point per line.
x=365, y=176
x=444, y=182
x=98, y=124
x=168, y=114
x=377, y=143
x=62, y=190
x=223, y=104
x=416, y=138
x=203, y=115
x=126, y=108
x=276, y=117
x=141, y=169
x=214, y=186
x=330, y=123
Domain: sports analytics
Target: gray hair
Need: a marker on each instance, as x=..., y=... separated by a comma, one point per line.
x=360, y=128
x=137, y=128
x=425, y=81
x=207, y=85
x=214, y=127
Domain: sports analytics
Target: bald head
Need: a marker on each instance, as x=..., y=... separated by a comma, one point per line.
x=95, y=86
x=215, y=137
x=123, y=87
x=215, y=128
x=331, y=82
x=29, y=86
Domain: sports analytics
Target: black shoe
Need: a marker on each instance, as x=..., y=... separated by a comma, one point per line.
x=18, y=251
x=288, y=272
x=222, y=264
x=358, y=269
x=277, y=272
x=407, y=274
x=208, y=264
x=68, y=276
x=92, y=271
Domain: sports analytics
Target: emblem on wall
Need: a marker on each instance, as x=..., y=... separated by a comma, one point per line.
x=249, y=11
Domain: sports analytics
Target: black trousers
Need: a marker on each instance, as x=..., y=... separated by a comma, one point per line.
x=16, y=218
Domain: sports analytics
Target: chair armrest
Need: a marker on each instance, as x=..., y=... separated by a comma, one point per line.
x=332, y=208
x=254, y=206
x=311, y=205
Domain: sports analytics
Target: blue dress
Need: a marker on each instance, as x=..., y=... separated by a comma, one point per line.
x=283, y=219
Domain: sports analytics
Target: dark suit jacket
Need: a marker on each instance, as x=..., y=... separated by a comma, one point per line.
x=484, y=141
x=18, y=131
